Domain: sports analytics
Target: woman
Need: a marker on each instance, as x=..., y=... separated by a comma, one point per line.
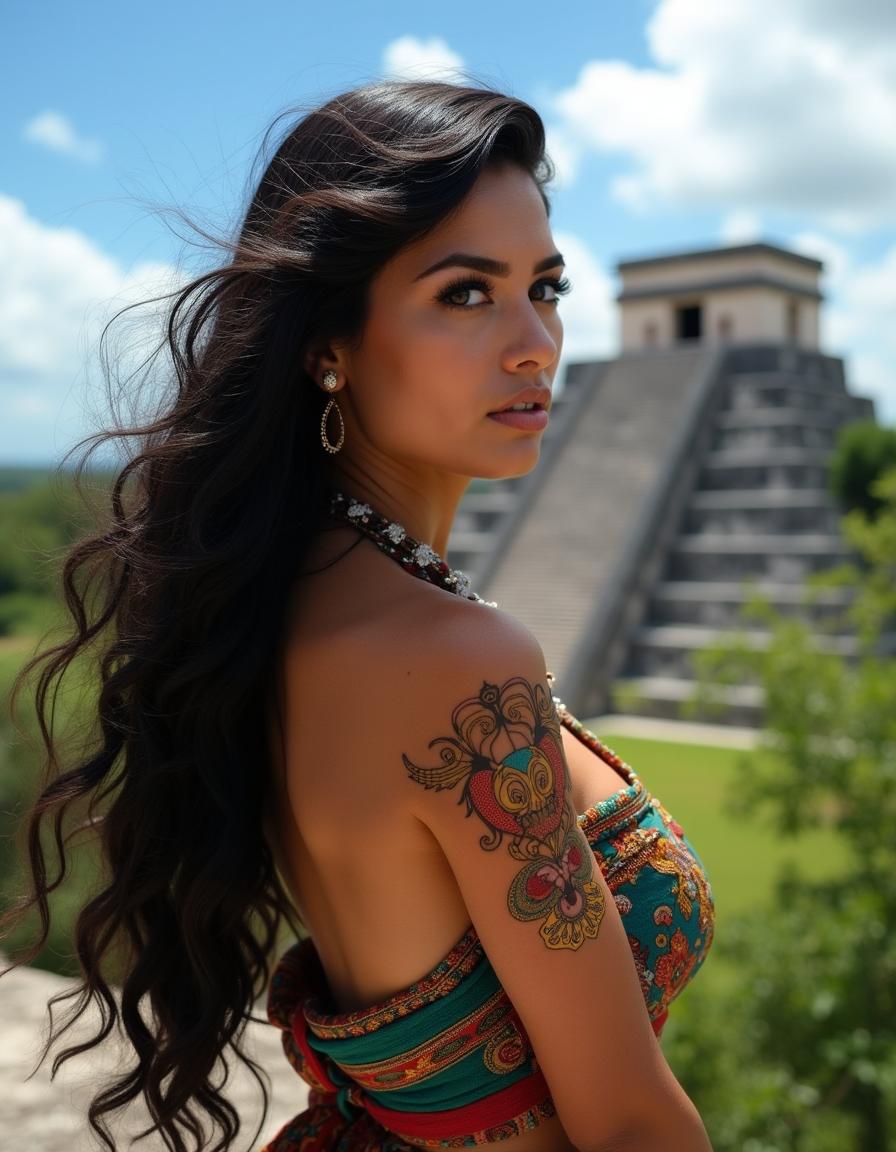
x=291, y=723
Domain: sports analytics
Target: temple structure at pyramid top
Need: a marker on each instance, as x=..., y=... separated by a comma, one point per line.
x=743, y=294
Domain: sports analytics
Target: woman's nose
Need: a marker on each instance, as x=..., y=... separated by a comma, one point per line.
x=532, y=340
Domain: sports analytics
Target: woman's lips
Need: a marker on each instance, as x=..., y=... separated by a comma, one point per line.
x=532, y=421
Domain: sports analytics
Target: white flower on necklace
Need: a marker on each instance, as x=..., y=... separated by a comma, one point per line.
x=424, y=555
x=460, y=580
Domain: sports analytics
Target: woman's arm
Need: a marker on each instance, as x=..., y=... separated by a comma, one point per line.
x=486, y=773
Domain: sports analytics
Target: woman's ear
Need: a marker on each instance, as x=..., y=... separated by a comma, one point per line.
x=320, y=358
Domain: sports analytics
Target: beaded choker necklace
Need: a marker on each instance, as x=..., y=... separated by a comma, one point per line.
x=419, y=559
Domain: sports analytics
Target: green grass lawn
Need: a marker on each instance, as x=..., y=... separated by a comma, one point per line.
x=742, y=856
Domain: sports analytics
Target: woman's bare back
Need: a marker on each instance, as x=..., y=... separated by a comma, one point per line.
x=369, y=879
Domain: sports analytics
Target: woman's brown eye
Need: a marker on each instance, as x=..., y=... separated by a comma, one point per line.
x=560, y=287
x=457, y=287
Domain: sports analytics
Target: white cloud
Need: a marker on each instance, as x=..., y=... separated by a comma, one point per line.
x=834, y=255
x=57, y=291
x=840, y=324
x=564, y=155
x=857, y=315
x=740, y=227
x=875, y=376
x=869, y=299
x=29, y=405
x=47, y=278
x=411, y=58
x=772, y=107
x=54, y=131
x=872, y=288
x=590, y=325
x=866, y=300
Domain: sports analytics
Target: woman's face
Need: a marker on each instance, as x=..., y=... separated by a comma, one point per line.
x=444, y=346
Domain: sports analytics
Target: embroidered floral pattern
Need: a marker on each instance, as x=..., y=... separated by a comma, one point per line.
x=657, y=881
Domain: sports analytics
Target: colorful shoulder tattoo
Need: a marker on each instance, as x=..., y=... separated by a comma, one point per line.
x=508, y=753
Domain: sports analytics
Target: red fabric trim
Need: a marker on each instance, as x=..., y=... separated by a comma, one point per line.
x=498, y=1108
x=313, y=1063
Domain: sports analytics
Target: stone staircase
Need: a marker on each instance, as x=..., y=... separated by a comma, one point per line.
x=759, y=516
x=492, y=510
x=565, y=569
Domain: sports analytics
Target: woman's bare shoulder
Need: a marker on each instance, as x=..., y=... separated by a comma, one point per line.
x=362, y=673
x=369, y=645
x=369, y=604
x=457, y=627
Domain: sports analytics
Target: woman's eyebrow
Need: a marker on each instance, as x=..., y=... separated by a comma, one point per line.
x=486, y=264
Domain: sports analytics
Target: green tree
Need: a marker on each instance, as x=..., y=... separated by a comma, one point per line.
x=37, y=525
x=864, y=451
x=802, y=1056
x=39, y=520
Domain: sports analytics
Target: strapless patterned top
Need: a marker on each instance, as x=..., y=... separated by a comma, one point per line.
x=446, y=1062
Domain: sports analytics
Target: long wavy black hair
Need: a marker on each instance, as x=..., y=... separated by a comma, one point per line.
x=181, y=591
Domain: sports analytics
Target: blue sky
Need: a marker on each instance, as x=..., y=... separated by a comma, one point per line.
x=673, y=124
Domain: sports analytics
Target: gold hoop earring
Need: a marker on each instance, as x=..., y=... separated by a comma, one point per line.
x=329, y=383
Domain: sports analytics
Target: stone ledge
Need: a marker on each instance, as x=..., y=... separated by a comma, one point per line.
x=51, y=1116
